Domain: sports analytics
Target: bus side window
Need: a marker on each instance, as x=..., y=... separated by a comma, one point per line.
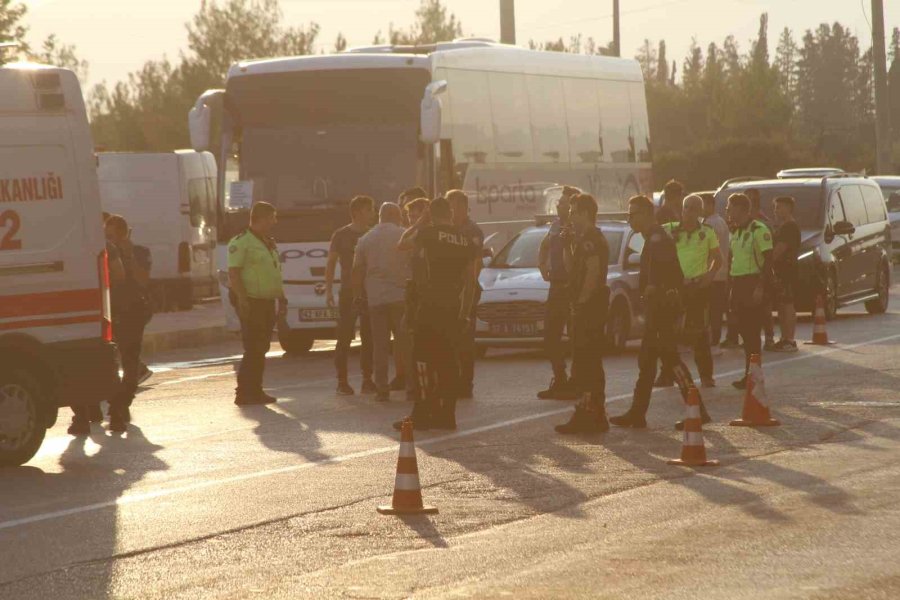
x=470, y=98
x=548, y=115
x=583, y=120
x=618, y=132
x=511, y=118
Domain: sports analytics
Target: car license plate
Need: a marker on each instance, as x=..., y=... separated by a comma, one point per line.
x=517, y=328
x=318, y=314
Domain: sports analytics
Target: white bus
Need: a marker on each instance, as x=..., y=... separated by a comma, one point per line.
x=504, y=123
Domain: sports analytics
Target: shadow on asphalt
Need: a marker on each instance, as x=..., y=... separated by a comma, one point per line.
x=425, y=529
x=120, y=463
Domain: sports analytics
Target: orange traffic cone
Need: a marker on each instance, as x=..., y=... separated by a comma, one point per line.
x=820, y=334
x=407, y=491
x=693, y=451
x=756, y=401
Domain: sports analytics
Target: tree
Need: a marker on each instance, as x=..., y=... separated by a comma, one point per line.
x=692, y=69
x=786, y=65
x=647, y=58
x=340, y=44
x=662, y=69
x=12, y=28
x=149, y=111
x=433, y=24
x=575, y=45
x=53, y=52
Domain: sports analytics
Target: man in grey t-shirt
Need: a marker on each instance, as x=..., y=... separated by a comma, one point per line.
x=380, y=272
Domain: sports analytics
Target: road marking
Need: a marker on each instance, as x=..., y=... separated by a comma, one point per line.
x=144, y=497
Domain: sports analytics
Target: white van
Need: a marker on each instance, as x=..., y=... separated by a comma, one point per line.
x=169, y=201
x=56, y=345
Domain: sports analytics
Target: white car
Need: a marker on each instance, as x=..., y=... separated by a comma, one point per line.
x=511, y=310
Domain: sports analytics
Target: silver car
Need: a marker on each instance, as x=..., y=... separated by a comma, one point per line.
x=511, y=310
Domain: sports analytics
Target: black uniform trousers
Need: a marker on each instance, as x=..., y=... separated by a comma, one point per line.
x=256, y=335
x=435, y=353
x=718, y=309
x=696, y=325
x=465, y=351
x=348, y=314
x=659, y=343
x=749, y=317
x=588, y=344
x=557, y=314
x=696, y=329
x=129, y=336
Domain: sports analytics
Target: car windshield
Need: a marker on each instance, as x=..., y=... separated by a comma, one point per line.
x=524, y=249
x=808, y=209
x=521, y=252
x=317, y=138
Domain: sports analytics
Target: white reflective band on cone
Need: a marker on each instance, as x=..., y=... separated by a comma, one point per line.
x=693, y=412
x=758, y=382
x=407, y=450
x=406, y=482
x=693, y=438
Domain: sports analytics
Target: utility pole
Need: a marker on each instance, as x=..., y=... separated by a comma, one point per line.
x=508, y=22
x=617, y=40
x=882, y=114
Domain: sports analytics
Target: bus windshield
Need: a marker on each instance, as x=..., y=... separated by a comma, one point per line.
x=315, y=139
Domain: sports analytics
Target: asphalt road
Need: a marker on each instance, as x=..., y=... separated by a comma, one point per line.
x=202, y=499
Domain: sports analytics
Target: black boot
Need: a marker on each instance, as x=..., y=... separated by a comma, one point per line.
x=561, y=388
x=585, y=420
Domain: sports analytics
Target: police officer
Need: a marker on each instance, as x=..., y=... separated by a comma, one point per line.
x=751, y=250
x=661, y=285
x=586, y=256
x=459, y=204
x=445, y=292
x=699, y=256
x=254, y=274
x=558, y=309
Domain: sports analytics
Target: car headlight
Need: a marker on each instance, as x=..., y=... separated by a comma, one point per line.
x=807, y=254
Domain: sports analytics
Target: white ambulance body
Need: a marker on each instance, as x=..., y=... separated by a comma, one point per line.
x=169, y=201
x=56, y=345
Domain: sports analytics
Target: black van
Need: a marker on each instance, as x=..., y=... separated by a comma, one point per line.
x=845, y=245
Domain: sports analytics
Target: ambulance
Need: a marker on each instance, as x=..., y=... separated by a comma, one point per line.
x=56, y=338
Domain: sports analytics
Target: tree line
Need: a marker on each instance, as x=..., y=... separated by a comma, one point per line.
x=727, y=109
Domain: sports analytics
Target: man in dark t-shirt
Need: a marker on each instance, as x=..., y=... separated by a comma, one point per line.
x=444, y=308
x=673, y=197
x=587, y=262
x=342, y=250
x=787, y=246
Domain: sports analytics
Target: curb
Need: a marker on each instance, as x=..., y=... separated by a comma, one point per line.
x=185, y=338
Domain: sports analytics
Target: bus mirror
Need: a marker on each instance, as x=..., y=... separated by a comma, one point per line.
x=430, y=124
x=200, y=119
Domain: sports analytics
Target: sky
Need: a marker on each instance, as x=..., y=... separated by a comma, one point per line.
x=118, y=36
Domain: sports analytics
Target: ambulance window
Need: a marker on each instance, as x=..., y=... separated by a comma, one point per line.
x=210, y=209
x=198, y=197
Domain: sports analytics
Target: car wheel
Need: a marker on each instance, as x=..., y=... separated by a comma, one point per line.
x=831, y=297
x=882, y=286
x=21, y=428
x=295, y=343
x=618, y=325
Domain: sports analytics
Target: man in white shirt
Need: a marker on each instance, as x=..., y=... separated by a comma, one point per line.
x=718, y=305
x=380, y=272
